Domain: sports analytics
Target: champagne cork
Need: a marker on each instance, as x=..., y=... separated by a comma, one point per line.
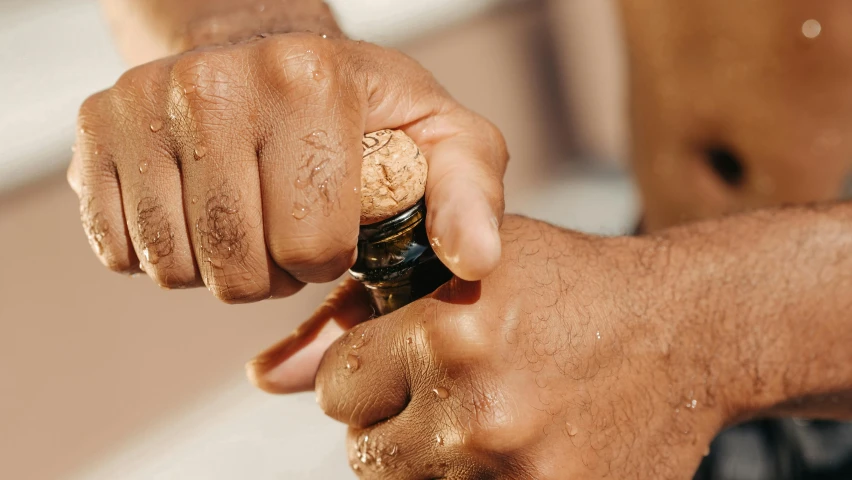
x=393, y=175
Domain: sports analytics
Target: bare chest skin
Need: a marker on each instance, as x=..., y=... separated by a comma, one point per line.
x=739, y=107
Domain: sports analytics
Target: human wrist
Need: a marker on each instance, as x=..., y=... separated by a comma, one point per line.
x=251, y=18
x=760, y=304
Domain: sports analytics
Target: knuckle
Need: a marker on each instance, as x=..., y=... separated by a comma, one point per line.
x=92, y=113
x=460, y=338
x=208, y=81
x=301, y=62
x=138, y=79
x=498, y=150
x=91, y=106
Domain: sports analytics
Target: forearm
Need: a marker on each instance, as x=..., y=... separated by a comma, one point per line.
x=151, y=29
x=762, y=305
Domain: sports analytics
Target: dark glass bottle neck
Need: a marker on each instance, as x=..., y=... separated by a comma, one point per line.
x=396, y=261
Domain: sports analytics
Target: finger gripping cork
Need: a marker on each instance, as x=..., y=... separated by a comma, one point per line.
x=393, y=175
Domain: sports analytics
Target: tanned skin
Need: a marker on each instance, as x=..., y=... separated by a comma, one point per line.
x=578, y=356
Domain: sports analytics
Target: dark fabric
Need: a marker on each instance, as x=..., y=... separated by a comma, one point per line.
x=783, y=449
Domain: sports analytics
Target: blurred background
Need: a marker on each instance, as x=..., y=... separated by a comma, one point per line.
x=107, y=377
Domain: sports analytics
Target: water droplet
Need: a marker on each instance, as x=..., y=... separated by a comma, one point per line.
x=300, y=211
x=353, y=362
x=360, y=339
x=571, y=429
x=200, y=152
x=694, y=403
x=98, y=247
x=261, y=8
x=150, y=256
x=324, y=36
x=409, y=340
x=318, y=75
x=811, y=28
x=247, y=276
x=143, y=167
x=215, y=262
x=441, y=393
x=707, y=451
x=194, y=200
x=598, y=335
x=97, y=151
x=355, y=467
x=189, y=89
x=394, y=448
x=74, y=148
x=156, y=126
x=439, y=439
x=677, y=410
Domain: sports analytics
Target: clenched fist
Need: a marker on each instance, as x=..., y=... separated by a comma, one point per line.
x=238, y=166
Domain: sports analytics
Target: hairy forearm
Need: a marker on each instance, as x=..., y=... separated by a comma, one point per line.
x=151, y=29
x=762, y=305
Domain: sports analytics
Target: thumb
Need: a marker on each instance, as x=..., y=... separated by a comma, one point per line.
x=466, y=155
x=464, y=197
x=291, y=365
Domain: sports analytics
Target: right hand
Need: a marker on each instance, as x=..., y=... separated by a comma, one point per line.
x=239, y=166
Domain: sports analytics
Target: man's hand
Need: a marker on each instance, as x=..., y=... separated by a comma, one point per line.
x=586, y=357
x=555, y=366
x=239, y=166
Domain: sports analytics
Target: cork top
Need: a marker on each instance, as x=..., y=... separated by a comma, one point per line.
x=393, y=175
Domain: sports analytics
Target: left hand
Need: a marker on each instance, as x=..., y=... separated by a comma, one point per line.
x=558, y=365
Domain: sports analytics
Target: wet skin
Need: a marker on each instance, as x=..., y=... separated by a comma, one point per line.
x=580, y=356
x=238, y=166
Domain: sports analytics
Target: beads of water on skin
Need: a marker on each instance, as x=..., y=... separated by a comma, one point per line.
x=572, y=430
x=143, y=167
x=707, y=451
x=353, y=362
x=360, y=340
x=150, y=256
x=441, y=393
x=439, y=439
x=300, y=211
x=409, y=340
x=598, y=334
x=194, y=200
x=811, y=28
x=156, y=126
x=200, y=152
